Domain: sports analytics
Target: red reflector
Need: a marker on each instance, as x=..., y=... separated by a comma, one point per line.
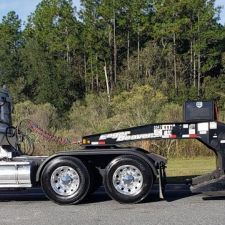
x=101, y=142
x=193, y=135
x=173, y=136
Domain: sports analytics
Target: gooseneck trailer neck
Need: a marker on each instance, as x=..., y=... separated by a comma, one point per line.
x=200, y=123
x=210, y=133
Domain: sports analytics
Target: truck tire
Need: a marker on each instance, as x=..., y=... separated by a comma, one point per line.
x=128, y=179
x=65, y=180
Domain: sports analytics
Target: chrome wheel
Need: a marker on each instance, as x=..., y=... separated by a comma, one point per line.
x=128, y=180
x=65, y=181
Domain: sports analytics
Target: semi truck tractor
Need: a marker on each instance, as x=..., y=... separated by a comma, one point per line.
x=127, y=173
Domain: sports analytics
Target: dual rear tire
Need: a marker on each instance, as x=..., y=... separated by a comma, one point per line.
x=127, y=179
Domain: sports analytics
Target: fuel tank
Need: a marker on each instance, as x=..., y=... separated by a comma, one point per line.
x=15, y=174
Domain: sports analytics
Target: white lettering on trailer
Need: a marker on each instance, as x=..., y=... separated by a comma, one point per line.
x=125, y=136
x=136, y=137
x=159, y=131
x=167, y=126
x=114, y=135
x=167, y=130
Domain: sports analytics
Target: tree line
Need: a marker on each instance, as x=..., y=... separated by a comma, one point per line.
x=63, y=54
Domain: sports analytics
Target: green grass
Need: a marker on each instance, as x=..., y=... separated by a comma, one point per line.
x=190, y=167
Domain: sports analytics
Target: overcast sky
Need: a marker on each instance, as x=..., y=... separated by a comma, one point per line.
x=24, y=7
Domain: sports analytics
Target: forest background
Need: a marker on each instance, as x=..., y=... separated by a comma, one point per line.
x=113, y=64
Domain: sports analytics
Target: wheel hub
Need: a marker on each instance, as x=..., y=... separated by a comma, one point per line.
x=65, y=180
x=128, y=180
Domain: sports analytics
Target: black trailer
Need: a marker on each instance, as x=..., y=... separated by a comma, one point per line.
x=127, y=173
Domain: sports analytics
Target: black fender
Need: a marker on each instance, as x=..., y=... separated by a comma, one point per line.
x=108, y=154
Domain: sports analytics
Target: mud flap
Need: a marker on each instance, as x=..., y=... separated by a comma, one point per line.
x=162, y=180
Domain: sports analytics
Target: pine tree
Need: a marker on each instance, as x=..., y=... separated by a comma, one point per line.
x=10, y=44
x=52, y=55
